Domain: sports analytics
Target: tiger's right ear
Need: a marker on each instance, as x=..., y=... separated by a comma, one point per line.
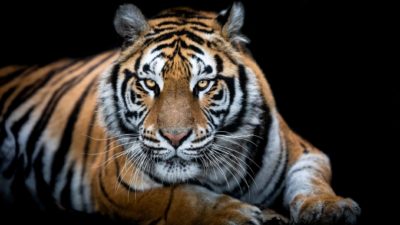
x=232, y=20
x=129, y=22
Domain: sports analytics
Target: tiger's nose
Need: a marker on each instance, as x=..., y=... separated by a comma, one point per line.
x=175, y=136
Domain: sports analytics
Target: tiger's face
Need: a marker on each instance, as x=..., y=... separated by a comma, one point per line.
x=177, y=86
x=183, y=97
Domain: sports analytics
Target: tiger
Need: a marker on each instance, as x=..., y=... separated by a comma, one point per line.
x=178, y=126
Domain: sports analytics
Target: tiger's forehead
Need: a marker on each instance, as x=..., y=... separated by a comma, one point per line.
x=195, y=26
x=184, y=17
x=178, y=48
x=176, y=59
x=180, y=44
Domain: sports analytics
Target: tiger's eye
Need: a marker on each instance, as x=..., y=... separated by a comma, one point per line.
x=203, y=84
x=150, y=83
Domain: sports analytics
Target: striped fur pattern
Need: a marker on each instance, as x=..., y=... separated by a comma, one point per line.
x=178, y=127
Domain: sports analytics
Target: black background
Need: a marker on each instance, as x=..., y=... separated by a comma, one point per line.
x=315, y=54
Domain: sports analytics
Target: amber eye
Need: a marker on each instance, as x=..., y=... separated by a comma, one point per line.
x=203, y=84
x=151, y=84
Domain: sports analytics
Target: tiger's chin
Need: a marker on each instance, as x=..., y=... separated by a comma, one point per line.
x=176, y=170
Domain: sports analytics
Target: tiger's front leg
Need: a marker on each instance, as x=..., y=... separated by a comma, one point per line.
x=179, y=204
x=184, y=204
x=309, y=196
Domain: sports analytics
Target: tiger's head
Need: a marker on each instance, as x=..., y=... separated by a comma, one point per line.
x=181, y=94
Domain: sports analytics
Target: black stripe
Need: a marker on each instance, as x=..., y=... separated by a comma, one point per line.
x=210, y=124
x=150, y=139
x=218, y=113
x=142, y=121
x=218, y=96
x=158, y=31
x=114, y=76
x=171, y=198
x=4, y=98
x=197, y=23
x=127, y=78
x=66, y=200
x=166, y=45
x=231, y=60
x=11, y=76
x=208, y=69
x=147, y=148
x=156, y=179
x=85, y=156
x=238, y=122
x=100, y=174
x=281, y=179
x=114, y=80
x=59, y=157
x=203, y=30
x=274, y=171
x=104, y=192
x=169, y=23
x=46, y=115
x=26, y=94
x=120, y=180
x=43, y=190
x=160, y=38
x=192, y=36
x=137, y=62
x=201, y=138
x=175, y=23
x=255, y=159
x=230, y=83
x=140, y=113
x=176, y=51
x=15, y=129
x=195, y=49
x=134, y=114
x=133, y=96
x=209, y=118
x=219, y=62
x=146, y=68
x=20, y=193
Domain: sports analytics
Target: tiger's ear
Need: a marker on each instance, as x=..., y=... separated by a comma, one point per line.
x=232, y=20
x=129, y=22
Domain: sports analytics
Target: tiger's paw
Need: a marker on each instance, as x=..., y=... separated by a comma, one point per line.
x=237, y=213
x=270, y=217
x=324, y=210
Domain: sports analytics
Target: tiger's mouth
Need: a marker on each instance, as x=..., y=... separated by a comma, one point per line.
x=176, y=160
x=176, y=170
x=179, y=164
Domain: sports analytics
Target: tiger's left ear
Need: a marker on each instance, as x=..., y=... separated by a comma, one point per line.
x=232, y=20
x=129, y=22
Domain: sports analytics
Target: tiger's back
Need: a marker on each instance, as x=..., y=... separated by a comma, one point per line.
x=49, y=125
